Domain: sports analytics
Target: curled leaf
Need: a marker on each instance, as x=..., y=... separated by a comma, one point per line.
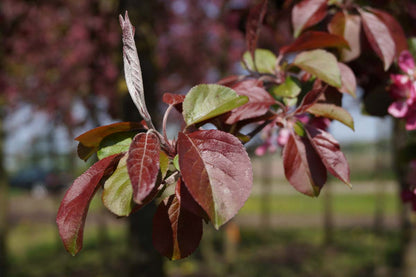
x=74, y=206
x=329, y=151
x=143, y=164
x=176, y=231
x=379, y=37
x=132, y=69
x=302, y=165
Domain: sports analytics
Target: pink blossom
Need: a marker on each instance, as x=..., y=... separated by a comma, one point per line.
x=403, y=91
x=283, y=137
x=407, y=63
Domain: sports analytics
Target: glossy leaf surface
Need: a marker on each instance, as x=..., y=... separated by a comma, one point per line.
x=74, y=206
x=379, y=37
x=115, y=144
x=307, y=13
x=265, y=61
x=209, y=100
x=333, y=112
x=143, y=164
x=302, y=165
x=258, y=104
x=90, y=141
x=118, y=193
x=329, y=151
x=176, y=231
x=313, y=40
x=217, y=172
x=187, y=201
x=349, y=27
x=322, y=64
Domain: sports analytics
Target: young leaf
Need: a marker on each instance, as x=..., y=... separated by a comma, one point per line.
x=349, y=83
x=209, y=100
x=329, y=151
x=379, y=37
x=114, y=144
x=217, y=172
x=333, y=112
x=259, y=101
x=89, y=142
x=395, y=28
x=143, y=164
x=313, y=40
x=132, y=69
x=307, y=13
x=173, y=99
x=176, y=231
x=349, y=27
x=289, y=88
x=118, y=193
x=311, y=97
x=322, y=64
x=302, y=165
x=254, y=21
x=74, y=206
x=265, y=61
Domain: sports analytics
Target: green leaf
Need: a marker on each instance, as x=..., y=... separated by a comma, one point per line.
x=322, y=64
x=114, y=144
x=299, y=129
x=412, y=46
x=289, y=88
x=176, y=162
x=118, y=193
x=163, y=163
x=333, y=112
x=209, y=100
x=290, y=101
x=265, y=61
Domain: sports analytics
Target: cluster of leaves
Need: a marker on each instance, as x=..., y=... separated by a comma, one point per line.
x=206, y=175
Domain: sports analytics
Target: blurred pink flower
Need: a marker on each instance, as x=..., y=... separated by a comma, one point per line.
x=403, y=91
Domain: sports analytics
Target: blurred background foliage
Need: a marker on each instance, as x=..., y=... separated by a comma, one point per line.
x=60, y=75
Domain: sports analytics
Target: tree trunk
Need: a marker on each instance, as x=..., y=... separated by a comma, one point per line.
x=3, y=204
x=328, y=214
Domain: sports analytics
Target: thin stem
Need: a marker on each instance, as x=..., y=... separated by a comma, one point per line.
x=165, y=120
x=258, y=129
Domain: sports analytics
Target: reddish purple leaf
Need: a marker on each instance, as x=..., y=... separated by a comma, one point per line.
x=229, y=80
x=329, y=151
x=379, y=37
x=348, y=80
x=74, y=206
x=89, y=141
x=217, y=172
x=395, y=28
x=349, y=27
x=311, y=97
x=313, y=40
x=307, y=13
x=303, y=166
x=143, y=164
x=254, y=21
x=173, y=99
x=187, y=201
x=176, y=231
x=258, y=104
